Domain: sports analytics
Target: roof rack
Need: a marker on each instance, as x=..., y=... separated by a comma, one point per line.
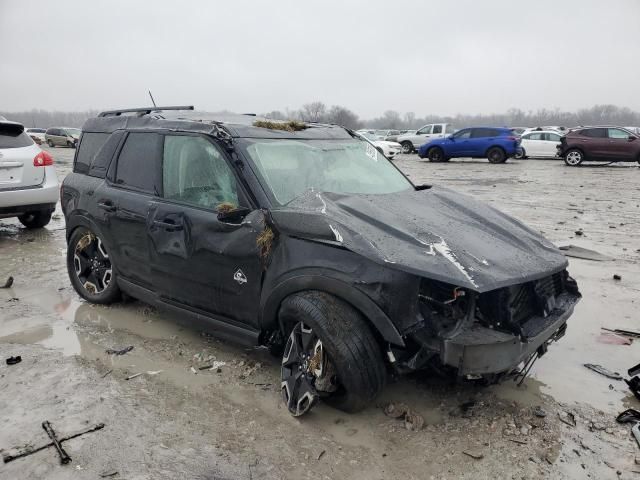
x=143, y=111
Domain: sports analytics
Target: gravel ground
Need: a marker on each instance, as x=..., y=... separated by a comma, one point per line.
x=230, y=424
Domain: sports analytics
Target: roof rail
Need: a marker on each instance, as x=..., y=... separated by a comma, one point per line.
x=142, y=111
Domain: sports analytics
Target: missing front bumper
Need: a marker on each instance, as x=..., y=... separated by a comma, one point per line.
x=478, y=350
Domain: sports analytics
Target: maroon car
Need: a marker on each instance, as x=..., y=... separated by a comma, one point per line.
x=613, y=144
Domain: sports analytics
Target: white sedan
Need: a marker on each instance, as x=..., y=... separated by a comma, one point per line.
x=540, y=144
x=28, y=182
x=388, y=149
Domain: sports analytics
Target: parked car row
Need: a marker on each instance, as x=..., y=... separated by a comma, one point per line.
x=55, y=136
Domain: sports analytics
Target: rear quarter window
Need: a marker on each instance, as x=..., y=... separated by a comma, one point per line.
x=13, y=137
x=90, y=145
x=139, y=163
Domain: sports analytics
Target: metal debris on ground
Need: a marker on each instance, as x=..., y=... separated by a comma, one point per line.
x=14, y=360
x=620, y=331
x=103, y=376
x=634, y=386
x=113, y=473
x=321, y=454
x=617, y=277
x=584, y=253
x=396, y=410
x=413, y=421
x=64, y=457
x=629, y=415
x=112, y=351
x=194, y=371
x=567, y=418
x=603, y=371
x=636, y=432
x=633, y=371
x=29, y=450
x=8, y=283
x=475, y=455
x=130, y=377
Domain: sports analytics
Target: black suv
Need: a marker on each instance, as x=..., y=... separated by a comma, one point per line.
x=304, y=238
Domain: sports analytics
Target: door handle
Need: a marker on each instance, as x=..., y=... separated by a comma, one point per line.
x=168, y=224
x=107, y=205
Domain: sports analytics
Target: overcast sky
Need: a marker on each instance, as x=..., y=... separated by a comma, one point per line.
x=428, y=57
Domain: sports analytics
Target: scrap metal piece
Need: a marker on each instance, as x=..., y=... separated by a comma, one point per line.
x=112, y=351
x=603, y=371
x=633, y=371
x=64, y=457
x=636, y=432
x=634, y=386
x=6, y=458
x=619, y=331
x=629, y=415
x=8, y=283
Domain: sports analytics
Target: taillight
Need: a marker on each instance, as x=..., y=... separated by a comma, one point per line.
x=43, y=159
x=513, y=138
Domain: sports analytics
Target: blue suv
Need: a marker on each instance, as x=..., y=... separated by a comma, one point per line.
x=496, y=144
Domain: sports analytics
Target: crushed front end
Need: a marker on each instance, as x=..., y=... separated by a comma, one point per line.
x=488, y=334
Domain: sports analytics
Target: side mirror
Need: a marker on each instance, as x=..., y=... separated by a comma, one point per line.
x=233, y=216
x=452, y=138
x=632, y=138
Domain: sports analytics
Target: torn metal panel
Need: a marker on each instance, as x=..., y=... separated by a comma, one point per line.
x=434, y=233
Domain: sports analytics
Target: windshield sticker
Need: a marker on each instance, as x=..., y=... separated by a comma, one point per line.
x=372, y=152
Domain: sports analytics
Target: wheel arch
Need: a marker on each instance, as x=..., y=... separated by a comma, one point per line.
x=375, y=317
x=486, y=152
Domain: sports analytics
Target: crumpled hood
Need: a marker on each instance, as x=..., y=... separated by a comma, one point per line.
x=435, y=233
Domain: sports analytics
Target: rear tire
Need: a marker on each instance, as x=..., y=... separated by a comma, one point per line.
x=407, y=147
x=435, y=154
x=521, y=156
x=35, y=219
x=496, y=155
x=354, y=359
x=90, y=269
x=50, y=143
x=573, y=157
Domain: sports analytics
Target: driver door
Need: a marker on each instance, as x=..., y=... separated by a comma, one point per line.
x=198, y=260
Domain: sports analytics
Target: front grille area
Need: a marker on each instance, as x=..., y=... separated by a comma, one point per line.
x=509, y=308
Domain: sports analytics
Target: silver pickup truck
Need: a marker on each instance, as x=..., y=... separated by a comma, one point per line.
x=412, y=140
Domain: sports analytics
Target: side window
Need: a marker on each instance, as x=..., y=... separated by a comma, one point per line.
x=536, y=136
x=437, y=129
x=617, y=133
x=595, y=132
x=552, y=137
x=90, y=145
x=138, y=163
x=450, y=129
x=195, y=172
x=481, y=132
x=462, y=134
x=424, y=130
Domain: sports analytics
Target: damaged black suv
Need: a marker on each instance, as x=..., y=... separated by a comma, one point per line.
x=304, y=238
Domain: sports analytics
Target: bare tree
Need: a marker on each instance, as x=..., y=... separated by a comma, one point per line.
x=314, y=112
x=343, y=116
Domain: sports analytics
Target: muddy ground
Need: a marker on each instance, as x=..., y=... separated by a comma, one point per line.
x=230, y=423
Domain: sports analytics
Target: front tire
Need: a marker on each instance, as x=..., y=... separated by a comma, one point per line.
x=90, y=268
x=496, y=155
x=573, y=157
x=331, y=354
x=407, y=147
x=435, y=155
x=35, y=219
x=50, y=143
x=521, y=155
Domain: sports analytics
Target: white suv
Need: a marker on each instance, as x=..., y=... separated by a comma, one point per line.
x=28, y=182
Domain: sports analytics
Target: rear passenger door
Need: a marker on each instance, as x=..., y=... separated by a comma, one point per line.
x=620, y=146
x=135, y=179
x=197, y=260
x=479, y=142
